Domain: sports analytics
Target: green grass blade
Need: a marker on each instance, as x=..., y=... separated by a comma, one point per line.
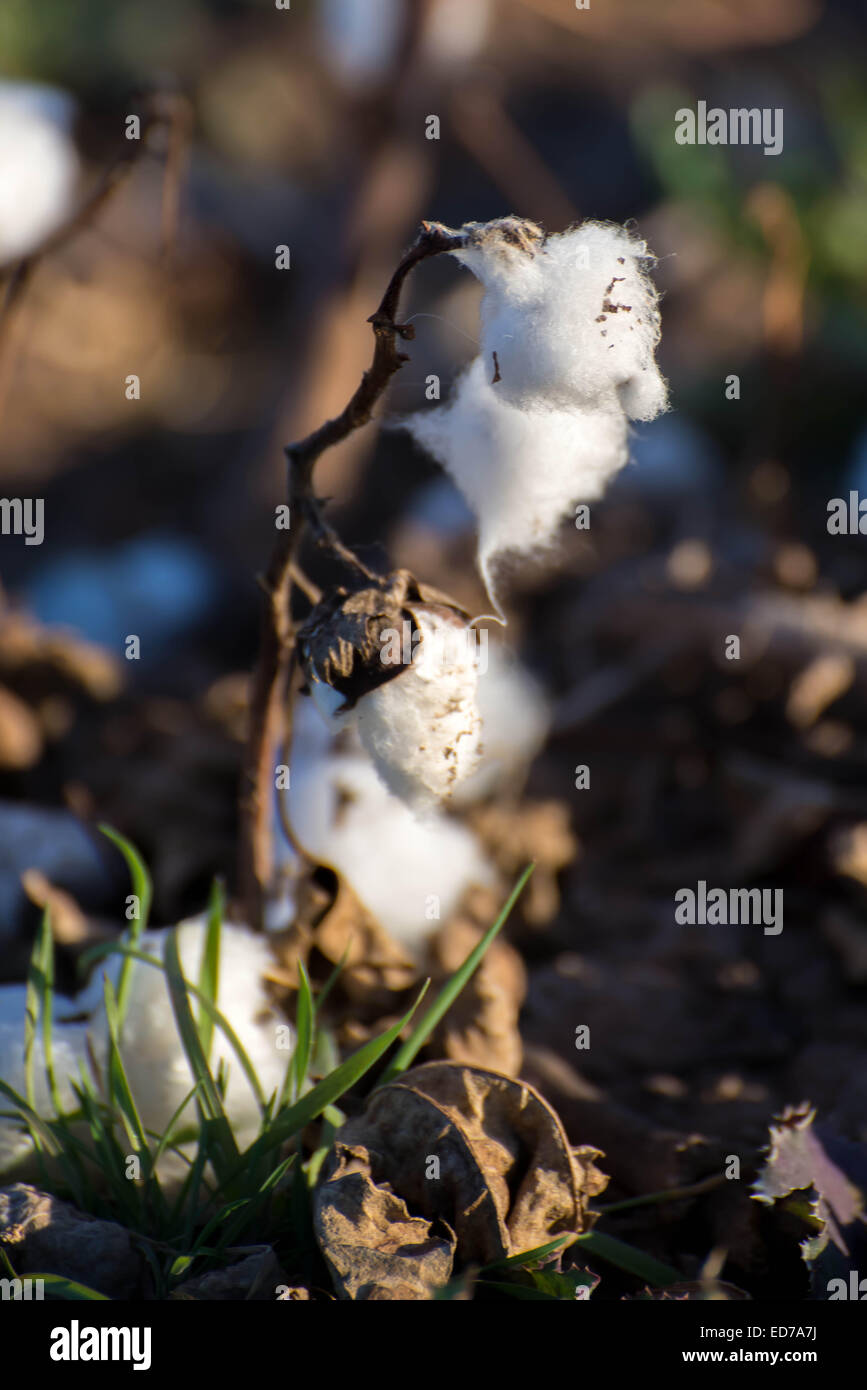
x=38, y=998
x=527, y=1257
x=297, y=1071
x=165, y=1139
x=143, y=890
x=225, y=1150
x=290, y=1121
x=209, y=970
x=521, y=1291
x=450, y=991
x=332, y=980
x=32, y=1119
x=58, y=1287
x=118, y=1084
x=626, y=1257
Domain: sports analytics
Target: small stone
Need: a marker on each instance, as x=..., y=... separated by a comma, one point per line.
x=42, y=1235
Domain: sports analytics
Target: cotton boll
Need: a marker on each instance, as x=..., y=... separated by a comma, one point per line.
x=516, y=717
x=155, y=1062
x=39, y=166
x=343, y=816
x=521, y=470
x=68, y=1050
x=573, y=320
x=422, y=729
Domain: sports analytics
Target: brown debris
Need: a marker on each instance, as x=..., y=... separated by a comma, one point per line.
x=534, y=830
x=481, y=1027
x=483, y=1159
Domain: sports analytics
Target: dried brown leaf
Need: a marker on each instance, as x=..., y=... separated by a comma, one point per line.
x=480, y=1153
x=481, y=1027
x=373, y=1247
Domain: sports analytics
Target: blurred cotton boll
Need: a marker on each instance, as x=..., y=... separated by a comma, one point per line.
x=456, y=30
x=422, y=729
x=39, y=165
x=343, y=816
x=359, y=38
x=156, y=1065
x=154, y=1059
x=68, y=1047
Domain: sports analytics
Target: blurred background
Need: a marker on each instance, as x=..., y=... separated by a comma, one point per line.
x=306, y=128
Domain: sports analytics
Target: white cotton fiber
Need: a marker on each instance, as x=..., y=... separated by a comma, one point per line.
x=67, y=1048
x=343, y=816
x=39, y=166
x=155, y=1062
x=516, y=717
x=521, y=470
x=573, y=319
x=422, y=728
x=539, y=421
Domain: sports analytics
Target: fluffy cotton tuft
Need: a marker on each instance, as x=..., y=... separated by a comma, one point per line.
x=539, y=422
x=520, y=470
x=343, y=816
x=154, y=1059
x=39, y=166
x=156, y=1065
x=573, y=319
x=68, y=1048
x=422, y=729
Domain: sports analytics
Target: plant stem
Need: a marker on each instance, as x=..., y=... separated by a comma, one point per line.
x=268, y=716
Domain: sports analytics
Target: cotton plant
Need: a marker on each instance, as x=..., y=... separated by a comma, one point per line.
x=538, y=423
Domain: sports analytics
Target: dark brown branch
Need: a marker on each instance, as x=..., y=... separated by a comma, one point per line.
x=268, y=716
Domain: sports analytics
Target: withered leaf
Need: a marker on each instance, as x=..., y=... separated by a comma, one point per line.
x=537, y=830
x=481, y=1027
x=797, y=1163
x=475, y=1151
x=373, y=1247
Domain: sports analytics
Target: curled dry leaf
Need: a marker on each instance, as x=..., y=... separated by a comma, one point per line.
x=373, y=1247
x=798, y=1164
x=451, y=1153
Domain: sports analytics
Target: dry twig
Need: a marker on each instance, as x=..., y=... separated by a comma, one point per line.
x=268, y=715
